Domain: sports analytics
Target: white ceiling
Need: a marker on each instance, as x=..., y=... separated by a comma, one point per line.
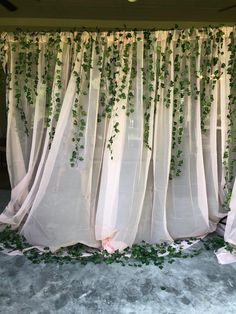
x=149, y=10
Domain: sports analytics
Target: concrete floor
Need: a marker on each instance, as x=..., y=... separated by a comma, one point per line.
x=193, y=285
x=197, y=285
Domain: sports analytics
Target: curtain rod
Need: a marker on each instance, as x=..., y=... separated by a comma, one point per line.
x=105, y=29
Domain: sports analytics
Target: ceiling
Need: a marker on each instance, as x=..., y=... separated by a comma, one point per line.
x=148, y=10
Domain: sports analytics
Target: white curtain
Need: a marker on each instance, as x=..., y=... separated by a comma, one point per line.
x=114, y=138
x=230, y=231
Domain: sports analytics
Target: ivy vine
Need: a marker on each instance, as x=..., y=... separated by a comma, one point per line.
x=229, y=158
x=136, y=256
x=175, y=73
x=79, y=111
x=148, y=83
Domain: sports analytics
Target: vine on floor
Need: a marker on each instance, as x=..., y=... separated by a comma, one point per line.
x=137, y=256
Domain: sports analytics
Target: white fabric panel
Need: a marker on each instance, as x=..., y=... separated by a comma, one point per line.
x=16, y=141
x=118, y=174
x=230, y=230
x=224, y=90
x=161, y=165
x=187, y=208
x=61, y=215
x=135, y=165
x=153, y=223
x=210, y=160
x=21, y=196
x=214, y=143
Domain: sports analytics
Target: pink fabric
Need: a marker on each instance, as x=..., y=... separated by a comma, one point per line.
x=106, y=245
x=111, y=245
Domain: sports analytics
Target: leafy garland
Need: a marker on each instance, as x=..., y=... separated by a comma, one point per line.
x=136, y=256
x=175, y=72
x=22, y=74
x=230, y=152
x=54, y=85
x=78, y=112
x=148, y=72
x=179, y=92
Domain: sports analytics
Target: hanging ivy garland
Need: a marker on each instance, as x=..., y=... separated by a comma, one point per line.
x=230, y=152
x=79, y=113
x=180, y=91
x=181, y=54
x=148, y=83
x=52, y=78
x=210, y=71
x=21, y=53
x=118, y=80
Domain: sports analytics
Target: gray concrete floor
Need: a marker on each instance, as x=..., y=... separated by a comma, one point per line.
x=195, y=285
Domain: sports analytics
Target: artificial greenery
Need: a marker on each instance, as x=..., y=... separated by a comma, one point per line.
x=186, y=69
x=78, y=112
x=230, y=152
x=137, y=255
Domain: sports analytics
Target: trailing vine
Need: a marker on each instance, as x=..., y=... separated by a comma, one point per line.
x=149, y=86
x=180, y=91
x=138, y=255
x=57, y=92
x=79, y=111
x=210, y=71
x=52, y=79
x=101, y=62
x=119, y=94
x=133, y=74
x=19, y=71
x=3, y=49
x=229, y=156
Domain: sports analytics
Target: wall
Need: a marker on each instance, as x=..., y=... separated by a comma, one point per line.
x=9, y=24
